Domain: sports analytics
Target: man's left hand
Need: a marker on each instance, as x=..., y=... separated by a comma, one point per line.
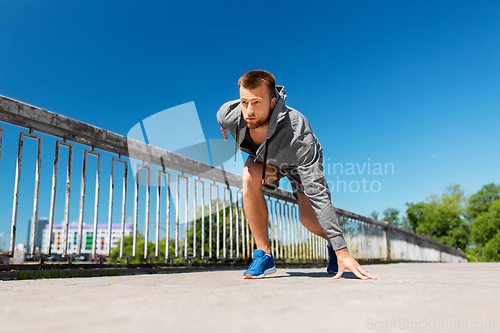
x=347, y=262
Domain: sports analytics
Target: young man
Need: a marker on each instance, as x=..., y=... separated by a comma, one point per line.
x=280, y=143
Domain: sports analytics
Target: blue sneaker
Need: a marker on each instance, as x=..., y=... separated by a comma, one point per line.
x=333, y=266
x=262, y=265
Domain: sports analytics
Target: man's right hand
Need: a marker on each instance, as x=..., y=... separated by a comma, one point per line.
x=346, y=261
x=224, y=133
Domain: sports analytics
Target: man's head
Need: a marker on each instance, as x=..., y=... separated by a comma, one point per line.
x=257, y=97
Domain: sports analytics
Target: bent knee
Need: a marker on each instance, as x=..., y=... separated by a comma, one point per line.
x=252, y=174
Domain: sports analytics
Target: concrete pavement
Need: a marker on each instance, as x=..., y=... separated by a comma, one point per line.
x=406, y=297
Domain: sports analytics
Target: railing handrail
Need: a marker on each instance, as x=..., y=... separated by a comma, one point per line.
x=38, y=119
x=395, y=229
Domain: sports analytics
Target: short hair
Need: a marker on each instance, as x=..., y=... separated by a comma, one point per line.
x=257, y=78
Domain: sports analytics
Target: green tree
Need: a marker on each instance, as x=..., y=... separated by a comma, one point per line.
x=374, y=215
x=414, y=214
x=391, y=215
x=442, y=219
x=491, y=249
x=230, y=208
x=486, y=225
x=483, y=210
x=139, y=257
x=481, y=201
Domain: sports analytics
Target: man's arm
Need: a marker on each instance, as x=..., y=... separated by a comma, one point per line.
x=311, y=174
x=228, y=117
x=310, y=170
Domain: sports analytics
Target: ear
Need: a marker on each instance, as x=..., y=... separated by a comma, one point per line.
x=273, y=102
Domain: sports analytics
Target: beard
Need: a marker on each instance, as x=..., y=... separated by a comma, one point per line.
x=258, y=122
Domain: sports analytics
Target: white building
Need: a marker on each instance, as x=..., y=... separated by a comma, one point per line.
x=87, y=238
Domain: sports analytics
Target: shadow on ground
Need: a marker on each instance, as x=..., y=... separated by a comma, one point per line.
x=346, y=275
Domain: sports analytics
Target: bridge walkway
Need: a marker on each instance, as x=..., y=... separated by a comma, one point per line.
x=433, y=296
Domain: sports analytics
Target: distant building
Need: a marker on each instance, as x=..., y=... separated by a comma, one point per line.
x=40, y=226
x=87, y=237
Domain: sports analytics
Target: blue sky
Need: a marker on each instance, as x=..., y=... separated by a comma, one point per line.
x=412, y=83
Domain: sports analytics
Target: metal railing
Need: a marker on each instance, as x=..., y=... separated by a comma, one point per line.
x=204, y=226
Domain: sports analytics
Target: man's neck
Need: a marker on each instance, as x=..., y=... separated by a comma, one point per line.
x=258, y=134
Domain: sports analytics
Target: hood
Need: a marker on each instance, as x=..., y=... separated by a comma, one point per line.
x=279, y=110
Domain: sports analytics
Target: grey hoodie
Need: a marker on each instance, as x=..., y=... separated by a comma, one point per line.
x=291, y=146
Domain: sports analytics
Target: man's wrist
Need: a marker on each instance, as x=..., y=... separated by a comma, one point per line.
x=343, y=252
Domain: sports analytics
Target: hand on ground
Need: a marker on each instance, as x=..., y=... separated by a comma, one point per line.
x=347, y=262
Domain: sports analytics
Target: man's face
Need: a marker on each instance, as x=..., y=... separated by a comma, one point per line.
x=256, y=104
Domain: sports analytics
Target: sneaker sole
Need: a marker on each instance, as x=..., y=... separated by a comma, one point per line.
x=268, y=271
x=331, y=272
